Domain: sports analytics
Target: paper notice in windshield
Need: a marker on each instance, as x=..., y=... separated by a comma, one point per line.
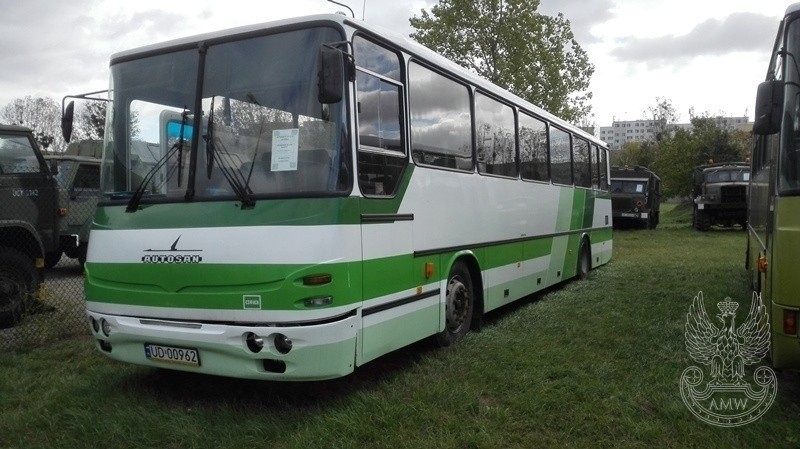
x=284, y=149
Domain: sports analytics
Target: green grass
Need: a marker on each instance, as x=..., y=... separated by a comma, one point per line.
x=592, y=364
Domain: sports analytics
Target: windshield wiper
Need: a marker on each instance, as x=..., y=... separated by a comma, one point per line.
x=177, y=147
x=234, y=178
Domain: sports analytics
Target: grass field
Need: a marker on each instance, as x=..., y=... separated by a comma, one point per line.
x=594, y=363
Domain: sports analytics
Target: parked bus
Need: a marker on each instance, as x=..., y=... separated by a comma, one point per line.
x=289, y=201
x=773, y=240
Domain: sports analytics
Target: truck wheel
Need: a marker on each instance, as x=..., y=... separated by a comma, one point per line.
x=702, y=221
x=51, y=259
x=82, y=252
x=18, y=282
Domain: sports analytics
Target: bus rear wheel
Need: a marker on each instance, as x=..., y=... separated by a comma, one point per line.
x=584, y=260
x=459, y=303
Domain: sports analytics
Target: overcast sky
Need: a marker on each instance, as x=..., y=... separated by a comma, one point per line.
x=708, y=55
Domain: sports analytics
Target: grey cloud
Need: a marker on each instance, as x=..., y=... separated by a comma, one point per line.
x=60, y=48
x=582, y=14
x=736, y=33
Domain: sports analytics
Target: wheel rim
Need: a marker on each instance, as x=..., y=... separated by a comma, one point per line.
x=458, y=304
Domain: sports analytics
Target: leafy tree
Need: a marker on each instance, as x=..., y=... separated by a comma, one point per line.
x=663, y=113
x=509, y=43
x=41, y=114
x=92, y=121
x=633, y=153
x=677, y=156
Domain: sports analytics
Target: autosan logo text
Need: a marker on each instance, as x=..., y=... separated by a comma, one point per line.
x=163, y=258
x=172, y=255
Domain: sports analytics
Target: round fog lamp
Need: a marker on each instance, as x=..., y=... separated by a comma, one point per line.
x=254, y=343
x=106, y=326
x=283, y=344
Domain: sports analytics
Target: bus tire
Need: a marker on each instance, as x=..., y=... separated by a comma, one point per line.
x=584, y=260
x=459, y=305
x=18, y=281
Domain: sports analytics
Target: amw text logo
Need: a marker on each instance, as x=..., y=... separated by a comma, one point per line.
x=727, y=400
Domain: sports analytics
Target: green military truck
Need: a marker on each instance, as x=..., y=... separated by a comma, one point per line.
x=719, y=194
x=635, y=196
x=78, y=176
x=29, y=220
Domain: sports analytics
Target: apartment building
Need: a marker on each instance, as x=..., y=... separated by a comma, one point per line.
x=622, y=131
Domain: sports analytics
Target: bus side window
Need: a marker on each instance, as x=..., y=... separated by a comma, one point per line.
x=561, y=156
x=603, y=161
x=441, y=120
x=595, y=167
x=381, y=150
x=582, y=162
x=494, y=123
x=533, y=151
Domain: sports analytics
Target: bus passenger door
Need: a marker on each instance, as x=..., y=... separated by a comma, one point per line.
x=390, y=316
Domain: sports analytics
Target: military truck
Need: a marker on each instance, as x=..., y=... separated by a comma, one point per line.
x=29, y=219
x=78, y=175
x=635, y=196
x=719, y=194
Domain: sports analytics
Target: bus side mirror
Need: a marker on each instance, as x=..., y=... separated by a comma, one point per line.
x=331, y=75
x=769, y=105
x=66, y=121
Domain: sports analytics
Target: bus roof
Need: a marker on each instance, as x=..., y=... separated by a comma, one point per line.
x=793, y=8
x=401, y=42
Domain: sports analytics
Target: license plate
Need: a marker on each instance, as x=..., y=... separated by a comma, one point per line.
x=629, y=215
x=171, y=354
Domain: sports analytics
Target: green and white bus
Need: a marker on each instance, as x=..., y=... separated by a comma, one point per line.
x=289, y=201
x=773, y=242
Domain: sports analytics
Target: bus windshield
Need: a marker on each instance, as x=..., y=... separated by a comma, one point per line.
x=789, y=180
x=262, y=130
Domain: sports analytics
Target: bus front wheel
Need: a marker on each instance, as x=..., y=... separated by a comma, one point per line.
x=459, y=304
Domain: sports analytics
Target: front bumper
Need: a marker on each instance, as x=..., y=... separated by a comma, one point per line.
x=319, y=351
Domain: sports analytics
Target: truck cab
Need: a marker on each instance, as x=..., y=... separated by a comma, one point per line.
x=29, y=219
x=635, y=196
x=719, y=194
x=77, y=173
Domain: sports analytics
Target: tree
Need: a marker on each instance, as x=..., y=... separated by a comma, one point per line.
x=633, y=153
x=663, y=113
x=41, y=114
x=677, y=156
x=515, y=47
x=92, y=120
